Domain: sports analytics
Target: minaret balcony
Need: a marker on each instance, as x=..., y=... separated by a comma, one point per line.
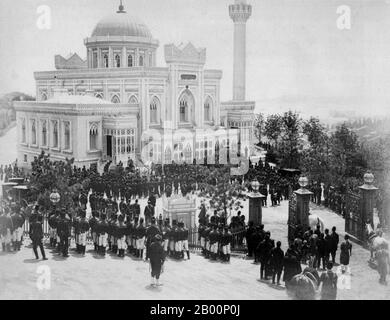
x=240, y=12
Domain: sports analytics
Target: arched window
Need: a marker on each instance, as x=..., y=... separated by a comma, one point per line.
x=133, y=100
x=141, y=61
x=208, y=109
x=188, y=154
x=44, y=133
x=93, y=136
x=55, y=134
x=33, y=132
x=24, y=130
x=105, y=60
x=67, y=135
x=168, y=155
x=118, y=61
x=99, y=95
x=186, y=104
x=115, y=99
x=130, y=60
x=154, y=108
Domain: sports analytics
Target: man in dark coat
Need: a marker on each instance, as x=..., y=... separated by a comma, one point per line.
x=63, y=228
x=151, y=232
x=248, y=235
x=334, y=242
x=156, y=259
x=290, y=265
x=36, y=235
x=277, y=256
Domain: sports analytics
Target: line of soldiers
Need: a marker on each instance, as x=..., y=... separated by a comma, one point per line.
x=118, y=233
x=11, y=227
x=216, y=241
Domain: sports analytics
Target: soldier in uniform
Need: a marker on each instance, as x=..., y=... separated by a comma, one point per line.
x=213, y=236
x=172, y=242
x=83, y=228
x=101, y=231
x=120, y=235
x=227, y=238
x=93, y=225
x=178, y=241
x=3, y=229
x=63, y=228
x=75, y=224
x=129, y=234
x=17, y=222
x=112, y=242
x=206, y=234
x=151, y=231
x=53, y=219
x=141, y=233
x=137, y=209
x=36, y=235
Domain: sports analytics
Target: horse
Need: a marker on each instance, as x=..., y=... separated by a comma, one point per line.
x=304, y=286
x=315, y=220
x=375, y=241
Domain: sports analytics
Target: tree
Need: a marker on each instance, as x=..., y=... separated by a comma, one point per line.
x=225, y=195
x=290, y=139
x=259, y=126
x=273, y=128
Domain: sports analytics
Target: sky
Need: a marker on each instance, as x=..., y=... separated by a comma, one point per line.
x=297, y=57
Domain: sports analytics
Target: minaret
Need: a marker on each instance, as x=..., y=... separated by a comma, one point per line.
x=240, y=12
x=121, y=8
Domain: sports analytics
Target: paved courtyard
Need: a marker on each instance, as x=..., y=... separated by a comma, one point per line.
x=93, y=277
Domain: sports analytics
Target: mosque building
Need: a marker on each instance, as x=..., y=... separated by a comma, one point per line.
x=118, y=104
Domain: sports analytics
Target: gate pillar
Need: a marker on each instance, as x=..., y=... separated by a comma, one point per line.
x=368, y=200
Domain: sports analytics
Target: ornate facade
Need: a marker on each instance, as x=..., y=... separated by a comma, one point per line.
x=118, y=104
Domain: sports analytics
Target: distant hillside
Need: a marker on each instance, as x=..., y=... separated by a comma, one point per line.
x=7, y=111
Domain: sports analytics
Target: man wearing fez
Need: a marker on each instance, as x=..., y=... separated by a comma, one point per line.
x=156, y=259
x=36, y=236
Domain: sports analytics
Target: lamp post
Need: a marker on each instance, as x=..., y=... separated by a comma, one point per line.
x=55, y=197
x=255, y=197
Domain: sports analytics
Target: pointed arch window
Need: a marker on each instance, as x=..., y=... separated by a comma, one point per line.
x=105, y=60
x=67, y=135
x=130, y=60
x=99, y=95
x=44, y=133
x=186, y=105
x=117, y=61
x=33, y=132
x=141, y=61
x=208, y=107
x=93, y=136
x=23, y=130
x=133, y=100
x=115, y=99
x=55, y=134
x=154, y=110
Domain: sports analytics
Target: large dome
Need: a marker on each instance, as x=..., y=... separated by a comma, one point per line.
x=121, y=24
